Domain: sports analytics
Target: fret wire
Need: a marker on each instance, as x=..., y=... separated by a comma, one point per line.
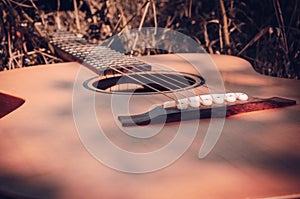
x=155, y=76
x=114, y=54
x=122, y=57
x=117, y=70
x=161, y=79
x=147, y=79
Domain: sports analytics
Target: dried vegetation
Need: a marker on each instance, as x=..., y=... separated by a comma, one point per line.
x=265, y=32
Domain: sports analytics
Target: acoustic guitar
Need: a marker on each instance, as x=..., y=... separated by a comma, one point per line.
x=114, y=126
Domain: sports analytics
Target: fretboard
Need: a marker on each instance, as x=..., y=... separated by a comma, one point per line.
x=100, y=59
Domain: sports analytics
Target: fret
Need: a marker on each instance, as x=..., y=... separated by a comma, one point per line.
x=98, y=57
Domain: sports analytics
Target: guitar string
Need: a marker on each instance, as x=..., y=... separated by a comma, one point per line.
x=148, y=86
x=170, y=83
x=204, y=85
x=196, y=88
x=185, y=84
x=147, y=79
x=74, y=37
x=126, y=59
x=151, y=80
x=121, y=72
x=142, y=83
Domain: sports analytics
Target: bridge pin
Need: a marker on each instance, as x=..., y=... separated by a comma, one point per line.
x=230, y=97
x=218, y=98
x=183, y=104
x=242, y=96
x=206, y=100
x=194, y=101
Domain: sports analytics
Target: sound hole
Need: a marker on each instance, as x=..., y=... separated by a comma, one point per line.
x=141, y=83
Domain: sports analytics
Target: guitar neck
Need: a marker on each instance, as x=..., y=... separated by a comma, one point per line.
x=100, y=59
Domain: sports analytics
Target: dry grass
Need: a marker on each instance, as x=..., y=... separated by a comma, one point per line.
x=267, y=32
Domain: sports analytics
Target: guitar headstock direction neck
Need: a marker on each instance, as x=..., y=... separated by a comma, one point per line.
x=100, y=59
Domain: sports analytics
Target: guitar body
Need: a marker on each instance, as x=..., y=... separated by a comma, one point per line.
x=42, y=154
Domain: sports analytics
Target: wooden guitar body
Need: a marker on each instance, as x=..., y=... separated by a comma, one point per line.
x=42, y=154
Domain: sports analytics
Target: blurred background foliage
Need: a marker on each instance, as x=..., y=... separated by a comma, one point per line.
x=265, y=32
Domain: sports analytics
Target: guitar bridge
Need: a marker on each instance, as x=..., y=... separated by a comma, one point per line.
x=161, y=115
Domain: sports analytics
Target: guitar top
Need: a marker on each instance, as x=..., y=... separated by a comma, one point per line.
x=43, y=151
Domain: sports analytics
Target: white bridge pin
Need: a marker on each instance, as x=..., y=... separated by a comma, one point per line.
x=230, y=97
x=218, y=98
x=206, y=100
x=194, y=101
x=242, y=96
x=183, y=104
